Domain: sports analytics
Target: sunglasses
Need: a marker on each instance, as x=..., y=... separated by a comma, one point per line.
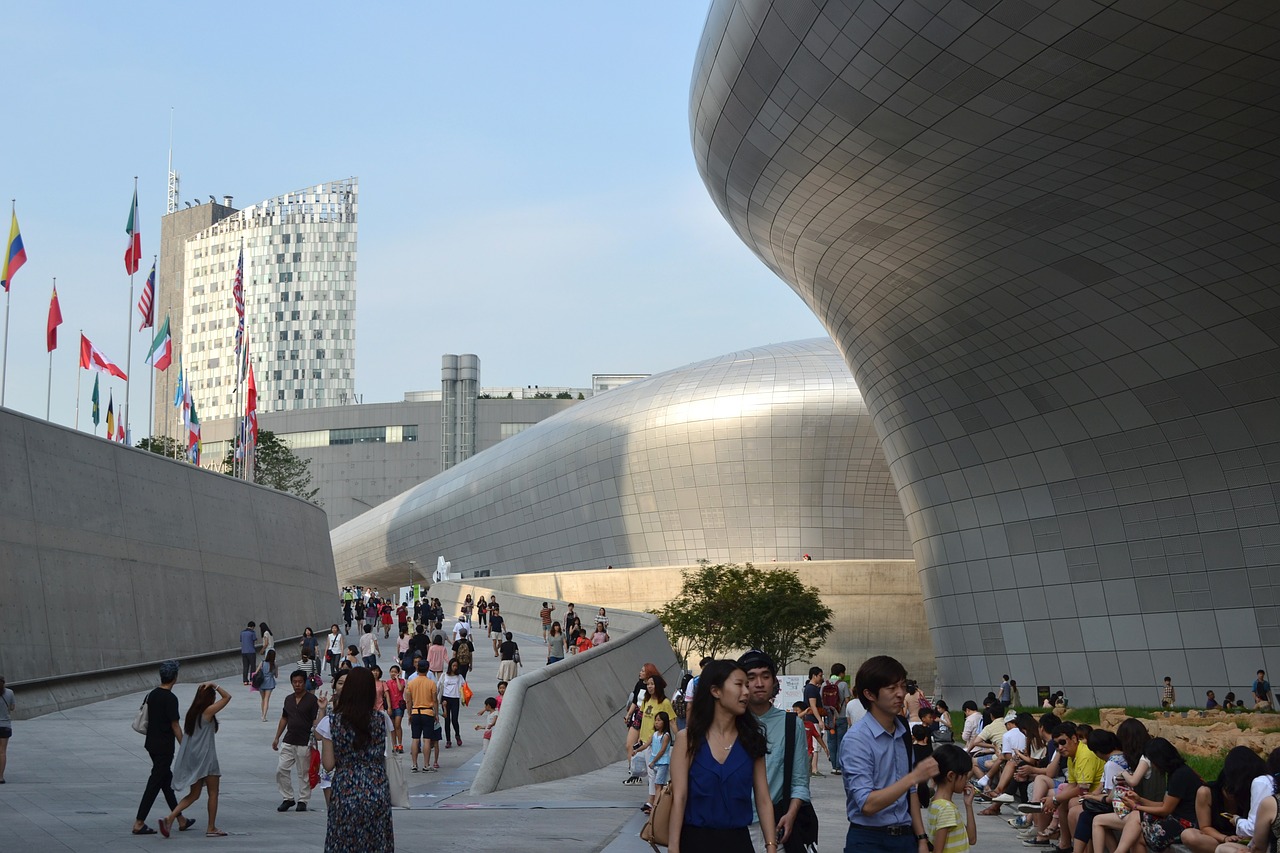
x=1061, y=742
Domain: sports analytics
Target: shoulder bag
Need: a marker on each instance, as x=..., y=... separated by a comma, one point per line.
x=395, y=773
x=655, y=828
x=140, y=719
x=804, y=832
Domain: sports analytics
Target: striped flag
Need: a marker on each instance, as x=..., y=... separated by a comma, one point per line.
x=133, y=254
x=160, y=356
x=111, y=416
x=14, y=256
x=147, y=303
x=237, y=291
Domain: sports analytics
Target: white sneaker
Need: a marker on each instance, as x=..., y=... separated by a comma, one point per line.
x=1002, y=798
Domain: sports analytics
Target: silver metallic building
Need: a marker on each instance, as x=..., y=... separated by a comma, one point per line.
x=754, y=456
x=1044, y=236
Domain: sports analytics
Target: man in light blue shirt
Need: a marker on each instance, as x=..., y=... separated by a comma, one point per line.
x=762, y=687
x=879, y=781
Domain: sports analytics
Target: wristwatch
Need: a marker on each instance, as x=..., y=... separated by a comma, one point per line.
x=922, y=837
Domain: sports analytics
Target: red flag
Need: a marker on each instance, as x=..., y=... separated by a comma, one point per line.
x=91, y=358
x=133, y=254
x=251, y=409
x=120, y=431
x=55, y=320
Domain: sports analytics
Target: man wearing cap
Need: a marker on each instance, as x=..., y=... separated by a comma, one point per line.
x=164, y=732
x=762, y=686
x=1012, y=741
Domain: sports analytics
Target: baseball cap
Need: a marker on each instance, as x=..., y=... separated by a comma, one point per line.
x=755, y=659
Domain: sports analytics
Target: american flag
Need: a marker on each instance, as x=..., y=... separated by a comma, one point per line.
x=237, y=291
x=147, y=304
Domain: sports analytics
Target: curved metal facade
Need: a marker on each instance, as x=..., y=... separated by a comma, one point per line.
x=1044, y=235
x=758, y=455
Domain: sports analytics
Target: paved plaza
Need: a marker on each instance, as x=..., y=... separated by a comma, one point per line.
x=75, y=778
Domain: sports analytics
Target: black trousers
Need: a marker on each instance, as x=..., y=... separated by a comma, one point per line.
x=454, y=709
x=160, y=780
x=250, y=662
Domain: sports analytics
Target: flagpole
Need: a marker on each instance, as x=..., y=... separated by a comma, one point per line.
x=128, y=350
x=78, y=390
x=8, y=290
x=48, y=394
x=151, y=374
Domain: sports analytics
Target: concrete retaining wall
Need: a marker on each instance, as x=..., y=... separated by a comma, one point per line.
x=564, y=719
x=113, y=557
x=877, y=603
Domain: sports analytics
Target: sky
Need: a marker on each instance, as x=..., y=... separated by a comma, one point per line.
x=527, y=187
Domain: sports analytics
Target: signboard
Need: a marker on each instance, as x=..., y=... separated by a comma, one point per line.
x=1042, y=695
x=792, y=691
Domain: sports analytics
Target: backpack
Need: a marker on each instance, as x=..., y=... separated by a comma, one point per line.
x=830, y=695
x=464, y=653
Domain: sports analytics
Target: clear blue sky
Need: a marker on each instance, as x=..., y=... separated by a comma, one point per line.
x=527, y=188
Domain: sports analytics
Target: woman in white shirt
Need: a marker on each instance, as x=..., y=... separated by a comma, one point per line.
x=450, y=686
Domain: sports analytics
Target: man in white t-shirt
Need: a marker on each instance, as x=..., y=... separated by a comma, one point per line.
x=1013, y=743
x=692, y=686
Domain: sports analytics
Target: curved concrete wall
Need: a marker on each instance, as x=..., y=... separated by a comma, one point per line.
x=112, y=556
x=535, y=739
x=1043, y=235
x=877, y=603
x=758, y=455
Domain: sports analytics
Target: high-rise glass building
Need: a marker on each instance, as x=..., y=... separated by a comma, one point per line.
x=300, y=301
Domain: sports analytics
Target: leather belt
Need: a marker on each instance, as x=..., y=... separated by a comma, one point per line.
x=887, y=830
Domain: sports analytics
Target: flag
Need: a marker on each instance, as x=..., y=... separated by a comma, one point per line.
x=120, y=433
x=251, y=409
x=91, y=358
x=237, y=291
x=179, y=393
x=133, y=254
x=161, y=348
x=111, y=416
x=15, y=256
x=96, y=416
x=55, y=320
x=193, y=431
x=147, y=303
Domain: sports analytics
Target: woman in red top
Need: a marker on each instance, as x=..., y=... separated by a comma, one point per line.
x=385, y=612
x=393, y=701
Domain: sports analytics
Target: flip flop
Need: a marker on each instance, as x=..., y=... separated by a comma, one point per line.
x=164, y=827
x=218, y=834
x=183, y=827
x=146, y=830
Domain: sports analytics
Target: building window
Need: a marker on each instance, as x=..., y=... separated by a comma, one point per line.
x=297, y=315
x=316, y=374
x=508, y=430
x=358, y=435
x=297, y=395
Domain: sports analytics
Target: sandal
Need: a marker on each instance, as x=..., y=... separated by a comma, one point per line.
x=145, y=830
x=991, y=810
x=217, y=834
x=183, y=827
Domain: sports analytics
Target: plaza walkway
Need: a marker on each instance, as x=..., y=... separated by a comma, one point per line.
x=75, y=778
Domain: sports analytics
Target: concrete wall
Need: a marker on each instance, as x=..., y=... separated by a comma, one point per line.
x=537, y=739
x=877, y=603
x=111, y=556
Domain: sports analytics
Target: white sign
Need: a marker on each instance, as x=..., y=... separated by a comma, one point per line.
x=791, y=692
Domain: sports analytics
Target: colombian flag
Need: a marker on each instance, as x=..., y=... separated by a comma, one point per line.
x=15, y=256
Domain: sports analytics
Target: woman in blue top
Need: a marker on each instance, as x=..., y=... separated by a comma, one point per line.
x=717, y=767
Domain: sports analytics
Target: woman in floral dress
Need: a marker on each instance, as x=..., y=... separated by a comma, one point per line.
x=360, y=812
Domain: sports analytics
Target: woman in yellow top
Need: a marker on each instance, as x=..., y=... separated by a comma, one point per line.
x=655, y=688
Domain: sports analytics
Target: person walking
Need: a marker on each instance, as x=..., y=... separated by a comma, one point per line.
x=496, y=626
x=555, y=643
x=299, y=715
x=450, y=685
x=464, y=651
x=762, y=687
x=879, y=781
x=334, y=649
x=249, y=650
x=197, y=763
x=164, y=732
x=268, y=639
x=717, y=769
x=420, y=697
x=7, y=706
x=269, y=672
x=369, y=650
x=359, y=815
x=509, y=666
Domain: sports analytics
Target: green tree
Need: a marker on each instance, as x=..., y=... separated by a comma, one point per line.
x=727, y=606
x=275, y=465
x=162, y=445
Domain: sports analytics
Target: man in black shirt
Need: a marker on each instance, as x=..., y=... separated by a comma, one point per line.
x=299, y=716
x=164, y=732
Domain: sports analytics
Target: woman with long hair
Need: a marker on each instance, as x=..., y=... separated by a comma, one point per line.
x=633, y=718
x=359, y=819
x=269, y=672
x=268, y=639
x=333, y=651
x=555, y=643
x=1243, y=785
x=450, y=686
x=1161, y=824
x=655, y=702
x=717, y=769
x=308, y=642
x=197, y=763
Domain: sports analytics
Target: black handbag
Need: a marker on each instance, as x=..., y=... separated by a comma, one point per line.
x=804, y=832
x=1092, y=806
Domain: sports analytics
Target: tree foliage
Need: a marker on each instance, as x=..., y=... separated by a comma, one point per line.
x=163, y=445
x=277, y=466
x=727, y=606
